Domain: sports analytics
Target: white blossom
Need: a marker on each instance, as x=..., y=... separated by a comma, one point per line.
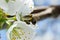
x=18, y=6
x=28, y=32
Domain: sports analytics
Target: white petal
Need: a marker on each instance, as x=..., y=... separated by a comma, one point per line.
x=28, y=31
x=3, y=5
x=20, y=6
x=27, y=7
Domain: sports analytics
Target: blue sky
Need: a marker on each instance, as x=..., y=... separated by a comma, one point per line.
x=46, y=2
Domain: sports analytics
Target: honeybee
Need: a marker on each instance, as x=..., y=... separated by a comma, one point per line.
x=41, y=14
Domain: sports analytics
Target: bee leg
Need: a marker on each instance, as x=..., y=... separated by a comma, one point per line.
x=27, y=21
x=33, y=21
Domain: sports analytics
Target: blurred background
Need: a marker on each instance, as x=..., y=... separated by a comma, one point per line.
x=46, y=2
x=48, y=28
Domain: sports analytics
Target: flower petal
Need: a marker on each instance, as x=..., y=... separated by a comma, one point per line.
x=23, y=30
x=20, y=6
x=4, y=5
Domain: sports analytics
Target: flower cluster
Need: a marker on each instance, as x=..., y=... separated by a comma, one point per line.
x=19, y=30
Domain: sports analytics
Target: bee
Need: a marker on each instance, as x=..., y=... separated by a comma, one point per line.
x=41, y=14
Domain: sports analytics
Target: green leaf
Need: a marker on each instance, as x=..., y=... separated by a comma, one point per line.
x=1, y=25
x=7, y=1
x=2, y=18
x=13, y=0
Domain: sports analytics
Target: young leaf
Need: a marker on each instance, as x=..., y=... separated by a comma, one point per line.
x=2, y=18
x=7, y=1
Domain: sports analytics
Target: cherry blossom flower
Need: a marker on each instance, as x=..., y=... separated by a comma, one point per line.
x=20, y=31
